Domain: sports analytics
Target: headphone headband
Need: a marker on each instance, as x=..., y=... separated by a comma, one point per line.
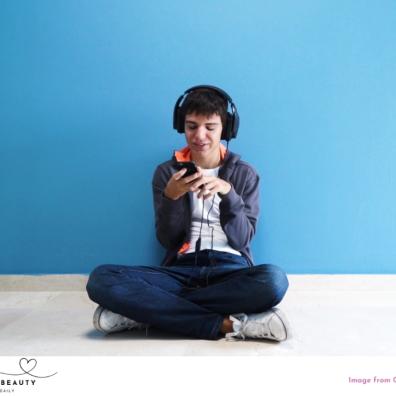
x=213, y=88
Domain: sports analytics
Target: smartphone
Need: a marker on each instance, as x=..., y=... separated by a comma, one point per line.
x=191, y=168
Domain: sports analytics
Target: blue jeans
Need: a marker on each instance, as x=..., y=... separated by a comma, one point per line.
x=185, y=298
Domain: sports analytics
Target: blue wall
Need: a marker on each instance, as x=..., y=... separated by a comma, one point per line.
x=87, y=90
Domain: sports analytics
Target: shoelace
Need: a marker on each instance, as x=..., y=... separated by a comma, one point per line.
x=255, y=329
x=129, y=324
x=239, y=320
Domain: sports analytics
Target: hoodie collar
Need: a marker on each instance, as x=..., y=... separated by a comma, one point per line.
x=184, y=154
x=228, y=158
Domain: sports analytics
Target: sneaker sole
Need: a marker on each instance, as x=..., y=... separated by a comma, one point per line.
x=285, y=322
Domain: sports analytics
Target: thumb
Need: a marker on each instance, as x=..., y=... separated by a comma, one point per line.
x=179, y=175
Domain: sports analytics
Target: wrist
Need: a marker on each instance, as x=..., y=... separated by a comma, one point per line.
x=167, y=194
x=171, y=196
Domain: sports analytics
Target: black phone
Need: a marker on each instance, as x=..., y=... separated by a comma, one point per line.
x=191, y=168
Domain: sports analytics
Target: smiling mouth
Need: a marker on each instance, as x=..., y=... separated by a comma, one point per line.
x=200, y=147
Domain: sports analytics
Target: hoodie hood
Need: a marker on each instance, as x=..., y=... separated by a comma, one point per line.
x=184, y=154
x=228, y=159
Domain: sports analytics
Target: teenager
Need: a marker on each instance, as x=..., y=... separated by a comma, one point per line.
x=208, y=285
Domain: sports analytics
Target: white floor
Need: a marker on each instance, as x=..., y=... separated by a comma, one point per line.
x=329, y=314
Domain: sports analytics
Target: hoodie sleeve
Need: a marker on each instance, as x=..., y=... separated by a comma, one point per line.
x=239, y=212
x=170, y=216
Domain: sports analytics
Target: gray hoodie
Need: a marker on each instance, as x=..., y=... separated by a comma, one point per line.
x=239, y=209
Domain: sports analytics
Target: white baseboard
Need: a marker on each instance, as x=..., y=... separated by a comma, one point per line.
x=300, y=282
x=64, y=282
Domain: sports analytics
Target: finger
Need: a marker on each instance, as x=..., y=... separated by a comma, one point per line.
x=211, y=190
x=200, y=171
x=200, y=181
x=195, y=176
x=211, y=185
x=199, y=185
x=179, y=175
x=204, y=192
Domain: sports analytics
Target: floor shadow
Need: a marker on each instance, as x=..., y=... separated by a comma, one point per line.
x=160, y=335
x=138, y=335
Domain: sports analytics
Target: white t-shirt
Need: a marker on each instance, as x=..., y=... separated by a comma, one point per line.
x=211, y=213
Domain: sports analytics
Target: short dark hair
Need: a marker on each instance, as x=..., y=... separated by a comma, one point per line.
x=206, y=102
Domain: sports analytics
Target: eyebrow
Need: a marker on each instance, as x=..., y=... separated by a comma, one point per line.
x=206, y=123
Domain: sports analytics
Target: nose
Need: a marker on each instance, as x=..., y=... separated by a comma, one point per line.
x=200, y=132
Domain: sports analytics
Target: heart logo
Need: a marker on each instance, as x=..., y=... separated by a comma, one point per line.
x=27, y=365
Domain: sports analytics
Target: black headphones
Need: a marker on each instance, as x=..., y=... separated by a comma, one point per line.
x=230, y=129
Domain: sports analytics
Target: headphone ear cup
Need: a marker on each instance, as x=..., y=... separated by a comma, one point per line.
x=175, y=117
x=235, y=125
x=178, y=121
x=228, y=127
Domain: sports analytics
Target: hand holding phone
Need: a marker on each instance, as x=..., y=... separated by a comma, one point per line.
x=180, y=182
x=191, y=168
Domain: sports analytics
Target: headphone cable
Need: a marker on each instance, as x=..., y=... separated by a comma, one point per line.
x=198, y=242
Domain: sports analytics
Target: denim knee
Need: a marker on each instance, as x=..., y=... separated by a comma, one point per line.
x=275, y=283
x=95, y=283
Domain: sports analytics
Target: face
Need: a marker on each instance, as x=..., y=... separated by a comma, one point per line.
x=203, y=135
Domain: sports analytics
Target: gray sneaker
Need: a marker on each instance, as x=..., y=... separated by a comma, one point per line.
x=271, y=324
x=109, y=322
